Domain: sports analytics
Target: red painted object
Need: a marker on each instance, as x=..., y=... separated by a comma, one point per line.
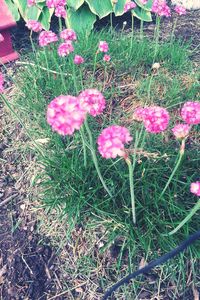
x=7, y=52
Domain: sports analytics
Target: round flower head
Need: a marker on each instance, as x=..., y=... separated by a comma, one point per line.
x=50, y=3
x=129, y=5
x=139, y=114
x=92, y=101
x=68, y=35
x=34, y=25
x=47, y=37
x=112, y=140
x=78, y=60
x=65, y=115
x=106, y=57
x=1, y=38
x=190, y=112
x=156, y=119
x=1, y=83
x=103, y=46
x=31, y=3
x=161, y=8
x=60, y=12
x=181, y=131
x=195, y=188
x=180, y=10
x=65, y=48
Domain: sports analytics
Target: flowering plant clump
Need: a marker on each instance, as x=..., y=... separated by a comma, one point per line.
x=112, y=140
x=103, y=46
x=106, y=57
x=47, y=37
x=34, y=25
x=161, y=8
x=78, y=60
x=92, y=101
x=195, y=188
x=60, y=12
x=155, y=118
x=65, y=114
x=190, y=112
x=68, y=35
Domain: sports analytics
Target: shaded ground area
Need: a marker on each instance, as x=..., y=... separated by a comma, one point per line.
x=29, y=267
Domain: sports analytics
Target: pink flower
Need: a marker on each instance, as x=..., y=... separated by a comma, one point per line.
x=103, y=46
x=47, y=37
x=195, y=188
x=180, y=10
x=139, y=114
x=34, y=25
x=78, y=60
x=111, y=141
x=65, y=48
x=129, y=5
x=190, y=112
x=50, y=3
x=1, y=38
x=68, y=35
x=161, y=8
x=156, y=119
x=144, y=1
x=92, y=101
x=1, y=83
x=106, y=57
x=181, y=131
x=60, y=12
x=31, y=3
x=65, y=114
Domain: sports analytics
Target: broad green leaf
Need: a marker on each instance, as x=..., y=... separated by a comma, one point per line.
x=22, y=6
x=32, y=13
x=146, y=6
x=81, y=20
x=75, y=4
x=142, y=14
x=13, y=9
x=119, y=7
x=45, y=17
x=101, y=8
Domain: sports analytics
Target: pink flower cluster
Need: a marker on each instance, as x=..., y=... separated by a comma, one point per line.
x=60, y=12
x=31, y=3
x=155, y=118
x=106, y=57
x=92, y=101
x=190, y=112
x=78, y=60
x=55, y=3
x=65, y=114
x=68, y=35
x=47, y=37
x=1, y=83
x=103, y=46
x=180, y=10
x=65, y=49
x=181, y=131
x=112, y=140
x=1, y=38
x=195, y=188
x=34, y=25
x=161, y=8
x=129, y=5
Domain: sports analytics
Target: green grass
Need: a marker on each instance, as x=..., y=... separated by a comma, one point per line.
x=76, y=192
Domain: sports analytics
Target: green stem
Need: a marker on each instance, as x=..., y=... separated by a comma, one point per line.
x=157, y=35
x=84, y=146
x=74, y=77
x=46, y=60
x=111, y=22
x=132, y=32
x=173, y=30
x=141, y=29
x=94, y=68
x=180, y=156
x=130, y=168
x=60, y=24
x=94, y=157
x=189, y=216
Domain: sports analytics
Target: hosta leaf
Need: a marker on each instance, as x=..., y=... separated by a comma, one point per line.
x=146, y=6
x=81, y=20
x=75, y=4
x=45, y=17
x=101, y=8
x=13, y=10
x=142, y=14
x=22, y=6
x=119, y=7
x=32, y=13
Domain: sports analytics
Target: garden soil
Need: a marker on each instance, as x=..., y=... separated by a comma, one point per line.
x=29, y=266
